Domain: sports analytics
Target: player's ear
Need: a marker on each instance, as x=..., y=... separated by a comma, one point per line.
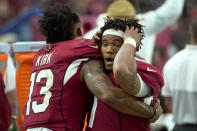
x=79, y=32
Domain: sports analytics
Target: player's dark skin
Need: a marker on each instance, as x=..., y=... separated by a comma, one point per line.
x=93, y=73
x=98, y=82
x=102, y=87
x=60, y=24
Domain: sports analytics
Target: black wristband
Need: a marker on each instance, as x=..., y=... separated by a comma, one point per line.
x=154, y=114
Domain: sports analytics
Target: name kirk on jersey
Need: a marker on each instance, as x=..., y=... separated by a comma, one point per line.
x=44, y=59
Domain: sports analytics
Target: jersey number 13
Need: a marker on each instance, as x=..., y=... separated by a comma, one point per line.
x=45, y=90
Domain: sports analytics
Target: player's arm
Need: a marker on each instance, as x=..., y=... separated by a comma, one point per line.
x=125, y=66
x=102, y=87
x=168, y=104
x=167, y=14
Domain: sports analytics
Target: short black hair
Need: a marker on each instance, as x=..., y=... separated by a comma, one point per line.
x=193, y=29
x=120, y=24
x=58, y=23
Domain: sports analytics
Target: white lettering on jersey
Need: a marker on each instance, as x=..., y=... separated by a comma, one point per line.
x=38, y=60
x=44, y=59
x=45, y=90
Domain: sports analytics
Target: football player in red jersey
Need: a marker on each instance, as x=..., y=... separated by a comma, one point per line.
x=62, y=71
x=119, y=40
x=5, y=110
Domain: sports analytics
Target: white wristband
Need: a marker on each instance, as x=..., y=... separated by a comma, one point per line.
x=130, y=41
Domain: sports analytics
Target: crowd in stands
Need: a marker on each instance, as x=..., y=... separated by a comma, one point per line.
x=18, y=21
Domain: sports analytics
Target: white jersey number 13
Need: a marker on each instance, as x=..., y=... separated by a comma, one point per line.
x=37, y=108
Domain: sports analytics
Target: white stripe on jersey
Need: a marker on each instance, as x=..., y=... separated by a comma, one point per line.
x=93, y=112
x=39, y=129
x=72, y=69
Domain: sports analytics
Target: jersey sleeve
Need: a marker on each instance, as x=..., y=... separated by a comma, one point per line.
x=145, y=90
x=89, y=50
x=152, y=77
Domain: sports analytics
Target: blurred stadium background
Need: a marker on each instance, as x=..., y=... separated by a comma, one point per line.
x=18, y=23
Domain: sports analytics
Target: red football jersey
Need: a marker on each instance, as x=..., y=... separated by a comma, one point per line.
x=104, y=118
x=5, y=110
x=58, y=100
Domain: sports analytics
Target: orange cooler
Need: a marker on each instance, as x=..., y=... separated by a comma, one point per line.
x=24, y=54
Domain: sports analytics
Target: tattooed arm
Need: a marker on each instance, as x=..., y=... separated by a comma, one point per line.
x=102, y=87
